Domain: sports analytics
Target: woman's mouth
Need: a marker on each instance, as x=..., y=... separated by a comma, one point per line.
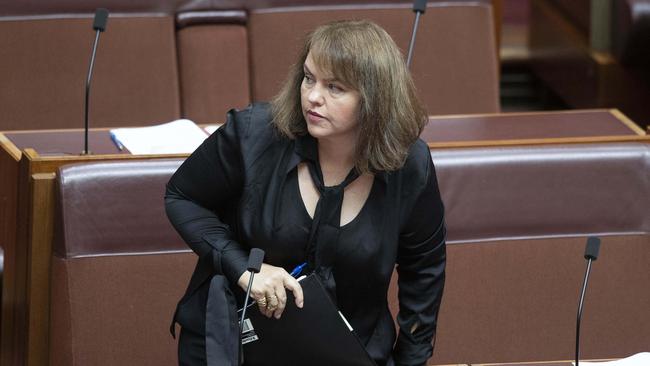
x=314, y=117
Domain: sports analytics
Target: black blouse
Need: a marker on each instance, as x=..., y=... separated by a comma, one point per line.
x=239, y=190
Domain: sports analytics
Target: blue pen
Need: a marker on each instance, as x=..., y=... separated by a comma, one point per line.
x=116, y=142
x=296, y=271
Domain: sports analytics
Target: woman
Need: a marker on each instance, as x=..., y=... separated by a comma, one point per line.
x=331, y=174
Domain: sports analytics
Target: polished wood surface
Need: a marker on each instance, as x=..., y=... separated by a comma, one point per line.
x=541, y=363
x=40, y=234
x=531, y=128
x=9, y=157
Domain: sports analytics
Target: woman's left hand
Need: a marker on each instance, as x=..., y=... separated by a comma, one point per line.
x=268, y=289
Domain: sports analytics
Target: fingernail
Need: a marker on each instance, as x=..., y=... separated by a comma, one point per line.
x=277, y=316
x=300, y=304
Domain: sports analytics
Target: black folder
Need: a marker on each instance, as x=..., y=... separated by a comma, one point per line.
x=316, y=335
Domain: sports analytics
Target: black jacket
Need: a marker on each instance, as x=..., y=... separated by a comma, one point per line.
x=226, y=197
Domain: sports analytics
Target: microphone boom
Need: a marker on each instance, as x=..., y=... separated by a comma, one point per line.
x=591, y=254
x=99, y=25
x=255, y=259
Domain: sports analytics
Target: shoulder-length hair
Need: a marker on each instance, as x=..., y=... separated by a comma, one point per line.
x=361, y=55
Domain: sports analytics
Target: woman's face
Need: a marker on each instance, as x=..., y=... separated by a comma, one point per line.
x=330, y=108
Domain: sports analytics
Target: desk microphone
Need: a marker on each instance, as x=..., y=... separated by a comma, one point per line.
x=591, y=254
x=99, y=25
x=255, y=259
x=419, y=8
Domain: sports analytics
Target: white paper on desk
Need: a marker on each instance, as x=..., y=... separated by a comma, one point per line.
x=211, y=128
x=177, y=137
x=640, y=359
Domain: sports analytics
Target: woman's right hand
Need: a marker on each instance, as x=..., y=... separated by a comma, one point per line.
x=269, y=289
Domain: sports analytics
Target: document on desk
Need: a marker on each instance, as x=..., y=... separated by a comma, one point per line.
x=639, y=359
x=210, y=129
x=316, y=335
x=177, y=137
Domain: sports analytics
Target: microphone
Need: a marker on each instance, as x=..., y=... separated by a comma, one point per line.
x=591, y=254
x=99, y=25
x=101, y=17
x=255, y=259
x=419, y=7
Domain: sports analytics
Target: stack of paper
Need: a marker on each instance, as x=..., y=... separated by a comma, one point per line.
x=178, y=137
x=640, y=359
x=210, y=129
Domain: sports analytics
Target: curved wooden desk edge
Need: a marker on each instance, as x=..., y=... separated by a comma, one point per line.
x=527, y=142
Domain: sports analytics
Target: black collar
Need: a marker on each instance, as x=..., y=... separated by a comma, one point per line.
x=306, y=149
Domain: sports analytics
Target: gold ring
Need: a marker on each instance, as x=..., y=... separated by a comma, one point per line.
x=262, y=301
x=272, y=302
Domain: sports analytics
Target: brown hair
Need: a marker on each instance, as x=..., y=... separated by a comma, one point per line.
x=364, y=57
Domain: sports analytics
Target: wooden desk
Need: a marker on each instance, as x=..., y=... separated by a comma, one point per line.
x=531, y=128
x=544, y=363
x=541, y=363
x=29, y=161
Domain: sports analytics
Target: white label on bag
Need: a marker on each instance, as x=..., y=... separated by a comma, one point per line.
x=249, y=339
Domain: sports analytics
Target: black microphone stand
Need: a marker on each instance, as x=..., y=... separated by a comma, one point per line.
x=418, y=7
x=99, y=25
x=243, y=311
x=255, y=259
x=591, y=254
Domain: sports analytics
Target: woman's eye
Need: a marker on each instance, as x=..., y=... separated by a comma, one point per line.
x=308, y=79
x=335, y=88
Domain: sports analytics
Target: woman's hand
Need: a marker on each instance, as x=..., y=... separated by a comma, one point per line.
x=268, y=289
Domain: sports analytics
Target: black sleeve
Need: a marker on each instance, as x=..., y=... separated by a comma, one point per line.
x=202, y=186
x=421, y=271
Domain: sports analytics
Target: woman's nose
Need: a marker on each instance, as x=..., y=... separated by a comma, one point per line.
x=315, y=95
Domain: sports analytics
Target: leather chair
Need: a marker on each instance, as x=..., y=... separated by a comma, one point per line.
x=517, y=220
x=118, y=267
x=213, y=63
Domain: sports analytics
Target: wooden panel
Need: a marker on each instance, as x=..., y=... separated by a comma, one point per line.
x=39, y=252
x=580, y=75
x=9, y=157
x=15, y=354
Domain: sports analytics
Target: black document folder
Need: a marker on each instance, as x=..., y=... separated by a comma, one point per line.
x=316, y=335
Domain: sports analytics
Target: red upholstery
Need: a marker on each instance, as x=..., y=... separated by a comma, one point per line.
x=213, y=61
x=517, y=221
x=118, y=268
